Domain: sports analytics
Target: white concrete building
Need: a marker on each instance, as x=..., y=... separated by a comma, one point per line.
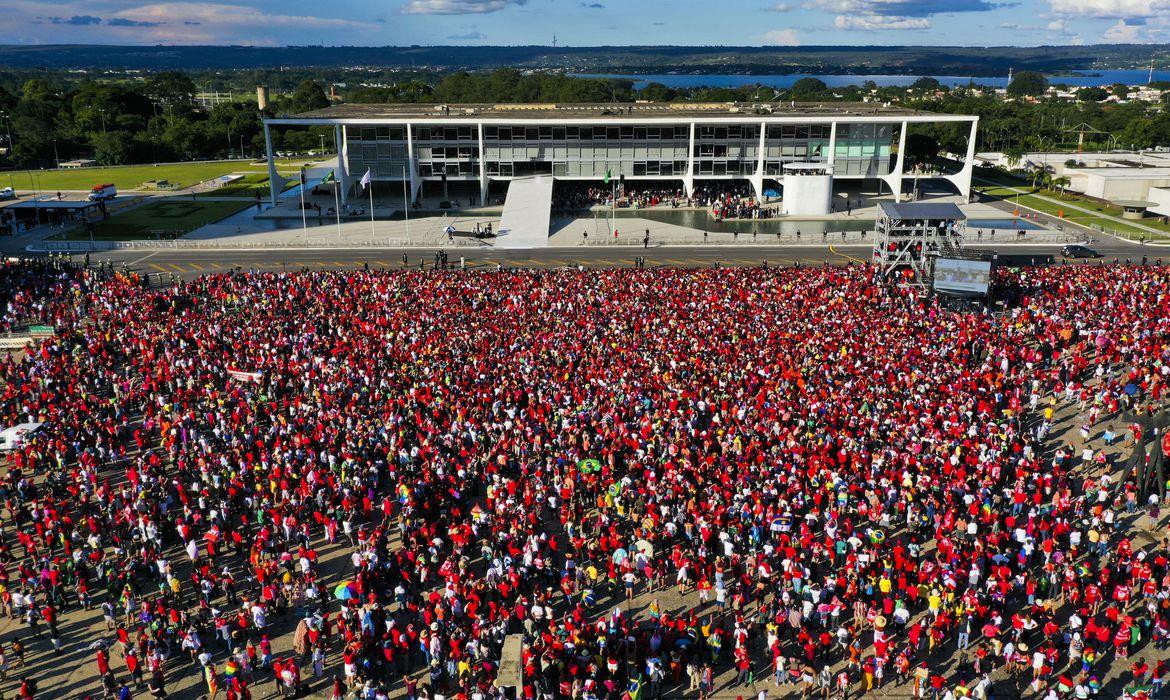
x=430, y=146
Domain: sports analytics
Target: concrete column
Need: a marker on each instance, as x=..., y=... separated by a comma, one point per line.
x=894, y=179
x=273, y=187
x=832, y=143
x=483, y=183
x=758, y=184
x=962, y=179
x=341, y=139
x=689, y=180
x=415, y=184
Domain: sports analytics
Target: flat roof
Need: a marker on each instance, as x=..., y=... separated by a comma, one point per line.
x=610, y=111
x=55, y=204
x=922, y=210
x=1122, y=173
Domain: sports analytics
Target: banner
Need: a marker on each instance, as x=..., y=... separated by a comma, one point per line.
x=244, y=376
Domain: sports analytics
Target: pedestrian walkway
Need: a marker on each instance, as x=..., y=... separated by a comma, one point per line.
x=527, y=213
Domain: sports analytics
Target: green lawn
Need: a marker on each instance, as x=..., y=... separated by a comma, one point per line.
x=132, y=176
x=163, y=218
x=1056, y=208
x=249, y=186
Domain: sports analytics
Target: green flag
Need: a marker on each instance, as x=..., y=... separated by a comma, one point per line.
x=607, y=175
x=635, y=688
x=329, y=177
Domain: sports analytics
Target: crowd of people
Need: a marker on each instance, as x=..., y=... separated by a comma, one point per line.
x=725, y=199
x=777, y=482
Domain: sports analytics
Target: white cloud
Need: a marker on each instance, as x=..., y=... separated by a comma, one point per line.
x=901, y=8
x=779, y=7
x=1110, y=9
x=1121, y=33
x=178, y=23
x=1056, y=25
x=781, y=37
x=212, y=14
x=870, y=23
x=457, y=7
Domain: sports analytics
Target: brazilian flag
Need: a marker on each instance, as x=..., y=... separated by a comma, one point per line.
x=329, y=177
x=608, y=175
x=635, y=688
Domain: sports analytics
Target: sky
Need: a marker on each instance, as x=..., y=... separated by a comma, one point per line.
x=591, y=22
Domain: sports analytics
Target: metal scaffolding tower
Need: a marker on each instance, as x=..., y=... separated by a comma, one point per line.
x=909, y=236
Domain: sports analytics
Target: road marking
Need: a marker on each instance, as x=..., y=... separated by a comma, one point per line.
x=847, y=257
x=197, y=266
x=144, y=257
x=176, y=268
x=339, y=263
x=216, y=266
x=675, y=261
x=383, y=263
x=158, y=267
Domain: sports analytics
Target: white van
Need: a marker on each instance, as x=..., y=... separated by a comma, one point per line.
x=7, y=193
x=17, y=435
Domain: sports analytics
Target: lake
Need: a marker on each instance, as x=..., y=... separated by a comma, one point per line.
x=1081, y=79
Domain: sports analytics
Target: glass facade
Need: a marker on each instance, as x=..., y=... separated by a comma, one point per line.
x=863, y=150
x=588, y=150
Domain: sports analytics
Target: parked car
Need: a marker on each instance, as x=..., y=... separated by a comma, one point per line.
x=102, y=192
x=7, y=193
x=1079, y=251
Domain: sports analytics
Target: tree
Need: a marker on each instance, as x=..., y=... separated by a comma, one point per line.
x=112, y=147
x=308, y=96
x=1092, y=94
x=1014, y=154
x=172, y=90
x=808, y=88
x=926, y=84
x=1027, y=83
x=657, y=92
x=921, y=148
x=1120, y=91
x=1060, y=183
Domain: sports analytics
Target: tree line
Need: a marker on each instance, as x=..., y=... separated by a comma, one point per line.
x=158, y=120
x=49, y=118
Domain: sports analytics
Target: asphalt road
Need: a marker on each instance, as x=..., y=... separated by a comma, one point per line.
x=191, y=263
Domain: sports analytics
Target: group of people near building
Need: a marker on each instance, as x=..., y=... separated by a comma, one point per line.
x=770, y=482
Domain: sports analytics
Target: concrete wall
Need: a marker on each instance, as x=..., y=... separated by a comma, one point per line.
x=1118, y=188
x=807, y=195
x=1161, y=197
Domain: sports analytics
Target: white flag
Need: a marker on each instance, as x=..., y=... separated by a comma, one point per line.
x=367, y=178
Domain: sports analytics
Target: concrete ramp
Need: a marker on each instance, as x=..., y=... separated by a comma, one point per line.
x=527, y=213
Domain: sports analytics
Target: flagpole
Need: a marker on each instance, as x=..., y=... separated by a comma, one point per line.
x=304, y=220
x=405, y=202
x=612, y=204
x=337, y=204
x=371, y=208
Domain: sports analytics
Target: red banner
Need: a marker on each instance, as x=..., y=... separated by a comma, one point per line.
x=244, y=376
